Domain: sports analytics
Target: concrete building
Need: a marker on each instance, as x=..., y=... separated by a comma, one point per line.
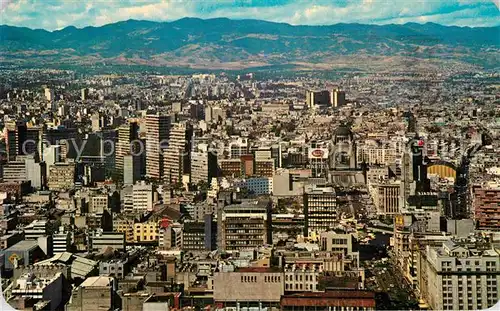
x=131, y=169
x=142, y=197
x=200, y=236
x=203, y=164
x=128, y=135
x=38, y=293
x=248, y=287
x=318, y=98
x=125, y=226
x=157, y=134
x=459, y=276
x=95, y=294
x=238, y=146
x=61, y=176
x=386, y=196
x=486, y=205
x=334, y=300
x=36, y=229
x=254, y=217
x=98, y=204
x=337, y=98
x=146, y=232
x=101, y=240
x=49, y=94
x=320, y=209
x=22, y=253
x=61, y=241
x=289, y=182
x=177, y=156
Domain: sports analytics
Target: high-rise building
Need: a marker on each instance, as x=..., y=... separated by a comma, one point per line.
x=320, y=209
x=177, y=156
x=158, y=129
x=131, y=169
x=337, y=98
x=203, y=164
x=245, y=225
x=21, y=139
x=317, y=98
x=486, y=205
x=85, y=94
x=127, y=145
x=386, y=196
x=49, y=94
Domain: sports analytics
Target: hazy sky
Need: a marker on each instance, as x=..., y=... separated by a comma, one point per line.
x=57, y=14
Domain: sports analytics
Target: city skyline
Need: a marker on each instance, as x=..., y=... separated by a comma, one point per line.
x=55, y=15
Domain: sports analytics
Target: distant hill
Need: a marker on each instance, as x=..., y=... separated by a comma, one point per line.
x=226, y=43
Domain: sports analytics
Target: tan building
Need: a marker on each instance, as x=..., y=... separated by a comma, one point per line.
x=157, y=132
x=98, y=204
x=176, y=157
x=94, y=294
x=248, y=287
x=125, y=226
x=460, y=276
x=385, y=196
x=126, y=135
x=61, y=176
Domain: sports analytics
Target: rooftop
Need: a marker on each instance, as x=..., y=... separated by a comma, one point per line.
x=97, y=281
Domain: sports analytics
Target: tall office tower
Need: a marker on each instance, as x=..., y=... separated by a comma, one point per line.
x=126, y=135
x=203, y=164
x=157, y=132
x=320, y=209
x=337, y=98
x=49, y=94
x=85, y=94
x=317, y=98
x=406, y=179
x=108, y=138
x=419, y=167
x=54, y=136
x=10, y=135
x=177, y=156
x=98, y=122
x=21, y=139
x=131, y=169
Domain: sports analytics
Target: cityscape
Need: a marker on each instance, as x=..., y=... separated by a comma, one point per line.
x=226, y=163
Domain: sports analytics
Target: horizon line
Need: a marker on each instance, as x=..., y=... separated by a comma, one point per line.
x=248, y=19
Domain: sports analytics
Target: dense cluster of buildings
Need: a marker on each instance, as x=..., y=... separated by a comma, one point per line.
x=147, y=192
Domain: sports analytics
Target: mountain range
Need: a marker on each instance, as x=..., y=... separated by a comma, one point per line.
x=223, y=43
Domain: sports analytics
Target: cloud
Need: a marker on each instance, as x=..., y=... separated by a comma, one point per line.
x=56, y=14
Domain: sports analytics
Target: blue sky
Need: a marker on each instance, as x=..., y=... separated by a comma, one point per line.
x=57, y=14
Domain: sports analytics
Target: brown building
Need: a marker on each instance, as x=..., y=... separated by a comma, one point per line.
x=230, y=167
x=486, y=203
x=247, y=165
x=329, y=300
x=264, y=168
